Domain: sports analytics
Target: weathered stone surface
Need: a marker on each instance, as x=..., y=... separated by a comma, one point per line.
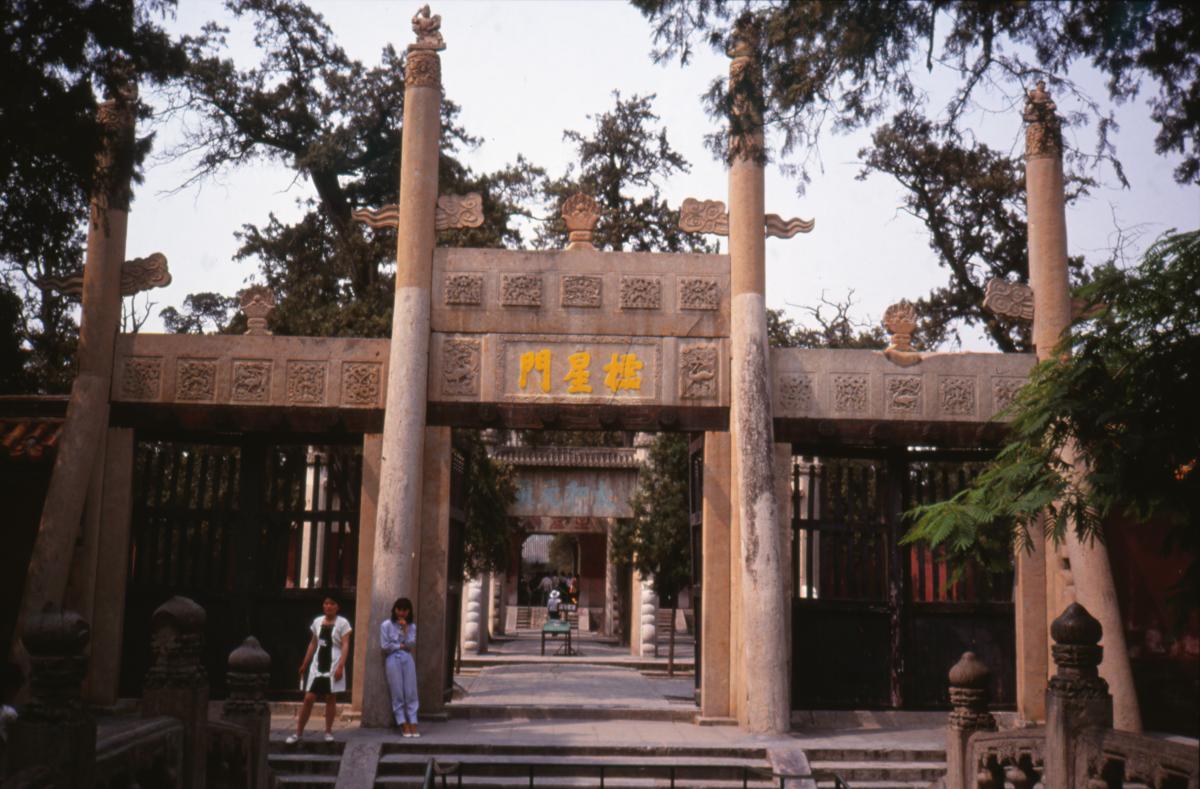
x=250, y=370
x=691, y=297
x=459, y=211
x=855, y=384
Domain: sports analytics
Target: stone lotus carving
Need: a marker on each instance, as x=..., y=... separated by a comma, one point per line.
x=641, y=293
x=703, y=216
x=778, y=227
x=388, y=216
x=900, y=320
x=142, y=378
x=137, y=275
x=699, y=293
x=257, y=302
x=1043, y=135
x=251, y=381
x=521, y=290
x=904, y=393
x=581, y=291
x=196, y=379
x=796, y=392
x=306, y=383
x=698, y=372
x=580, y=213
x=361, y=382
x=957, y=395
x=459, y=211
x=1009, y=299
x=428, y=28
x=850, y=393
x=460, y=367
x=463, y=289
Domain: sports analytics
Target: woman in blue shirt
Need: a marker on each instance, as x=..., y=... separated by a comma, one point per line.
x=398, y=638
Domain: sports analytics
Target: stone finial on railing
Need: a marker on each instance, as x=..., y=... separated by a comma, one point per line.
x=56, y=641
x=176, y=642
x=258, y=302
x=969, y=679
x=247, y=678
x=1077, y=653
x=53, y=740
x=900, y=320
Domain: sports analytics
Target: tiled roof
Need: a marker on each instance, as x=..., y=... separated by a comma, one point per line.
x=30, y=428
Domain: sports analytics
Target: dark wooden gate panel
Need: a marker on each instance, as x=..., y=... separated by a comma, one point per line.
x=257, y=534
x=455, y=563
x=874, y=623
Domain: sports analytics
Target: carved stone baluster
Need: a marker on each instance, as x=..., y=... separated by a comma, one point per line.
x=176, y=684
x=1077, y=697
x=968, y=697
x=54, y=737
x=247, y=678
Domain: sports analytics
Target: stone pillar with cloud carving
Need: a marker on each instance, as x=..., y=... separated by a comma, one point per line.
x=397, y=524
x=764, y=699
x=1090, y=572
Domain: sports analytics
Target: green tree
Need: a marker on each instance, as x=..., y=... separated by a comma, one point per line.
x=1121, y=397
x=337, y=123
x=835, y=328
x=59, y=58
x=200, y=311
x=657, y=539
x=847, y=63
x=491, y=491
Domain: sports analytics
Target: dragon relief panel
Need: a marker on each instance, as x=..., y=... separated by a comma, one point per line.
x=903, y=394
x=521, y=290
x=698, y=372
x=362, y=383
x=581, y=291
x=305, y=383
x=641, y=293
x=460, y=367
x=699, y=293
x=196, y=379
x=141, y=378
x=464, y=290
x=251, y=381
x=850, y=393
x=957, y=395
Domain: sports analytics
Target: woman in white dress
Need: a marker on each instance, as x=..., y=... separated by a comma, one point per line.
x=326, y=674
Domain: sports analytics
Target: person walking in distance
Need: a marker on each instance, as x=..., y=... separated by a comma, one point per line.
x=398, y=638
x=323, y=670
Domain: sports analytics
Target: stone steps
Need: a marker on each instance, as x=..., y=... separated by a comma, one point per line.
x=311, y=762
x=625, y=767
x=877, y=768
x=459, y=710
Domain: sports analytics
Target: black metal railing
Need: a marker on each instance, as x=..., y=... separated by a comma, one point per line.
x=435, y=769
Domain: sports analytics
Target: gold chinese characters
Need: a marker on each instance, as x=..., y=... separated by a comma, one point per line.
x=623, y=371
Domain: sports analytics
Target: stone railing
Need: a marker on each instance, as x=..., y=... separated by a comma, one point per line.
x=1078, y=746
x=1116, y=759
x=55, y=741
x=567, y=457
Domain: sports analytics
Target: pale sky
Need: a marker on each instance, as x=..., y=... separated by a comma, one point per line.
x=524, y=71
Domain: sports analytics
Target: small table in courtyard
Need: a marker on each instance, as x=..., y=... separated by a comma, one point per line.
x=557, y=627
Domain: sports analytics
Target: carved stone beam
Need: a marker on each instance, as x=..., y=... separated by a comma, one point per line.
x=137, y=275
x=455, y=211
x=388, y=216
x=258, y=302
x=900, y=320
x=710, y=216
x=1009, y=299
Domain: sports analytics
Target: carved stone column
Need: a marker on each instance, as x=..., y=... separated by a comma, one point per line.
x=247, y=679
x=472, y=616
x=969, y=698
x=176, y=684
x=83, y=431
x=1077, y=697
x=764, y=616
x=648, y=619
x=397, y=526
x=55, y=732
x=498, y=603
x=1090, y=570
